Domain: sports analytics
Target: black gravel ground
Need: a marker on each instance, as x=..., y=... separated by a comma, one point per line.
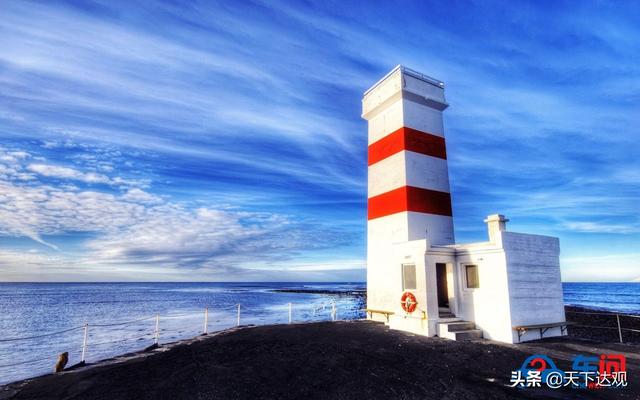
x=340, y=360
x=602, y=325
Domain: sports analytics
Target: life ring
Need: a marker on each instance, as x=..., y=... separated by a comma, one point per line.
x=408, y=302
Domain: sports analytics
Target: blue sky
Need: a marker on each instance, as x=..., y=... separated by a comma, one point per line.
x=223, y=141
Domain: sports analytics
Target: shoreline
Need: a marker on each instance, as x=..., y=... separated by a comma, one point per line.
x=344, y=360
x=603, y=329
x=353, y=292
x=601, y=309
x=307, y=343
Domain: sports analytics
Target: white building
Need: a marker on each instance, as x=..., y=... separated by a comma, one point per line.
x=507, y=288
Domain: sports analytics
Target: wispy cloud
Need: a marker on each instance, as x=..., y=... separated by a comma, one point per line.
x=593, y=227
x=136, y=229
x=613, y=268
x=67, y=173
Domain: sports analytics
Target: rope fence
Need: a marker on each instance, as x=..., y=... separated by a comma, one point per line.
x=40, y=336
x=123, y=323
x=27, y=362
x=156, y=331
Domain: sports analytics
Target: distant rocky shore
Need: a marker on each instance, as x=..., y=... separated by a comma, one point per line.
x=354, y=292
x=360, y=295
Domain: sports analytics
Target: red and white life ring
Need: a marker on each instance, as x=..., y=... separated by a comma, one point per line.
x=408, y=302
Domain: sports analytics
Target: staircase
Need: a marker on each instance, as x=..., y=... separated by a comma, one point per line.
x=446, y=314
x=457, y=329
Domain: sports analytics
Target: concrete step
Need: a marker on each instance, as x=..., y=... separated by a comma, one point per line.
x=457, y=329
x=446, y=315
x=449, y=320
x=470, y=334
x=460, y=326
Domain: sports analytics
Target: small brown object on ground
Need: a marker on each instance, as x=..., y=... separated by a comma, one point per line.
x=63, y=359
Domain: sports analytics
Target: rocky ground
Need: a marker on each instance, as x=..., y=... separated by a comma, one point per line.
x=339, y=360
x=603, y=326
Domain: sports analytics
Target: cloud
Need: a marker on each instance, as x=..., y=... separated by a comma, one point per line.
x=608, y=268
x=16, y=265
x=68, y=173
x=48, y=210
x=209, y=238
x=137, y=229
x=137, y=195
x=334, y=265
x=33, y=208
x=592, y=227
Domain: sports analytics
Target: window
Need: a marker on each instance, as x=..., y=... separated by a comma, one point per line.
x=408, y=276
x=471, y=272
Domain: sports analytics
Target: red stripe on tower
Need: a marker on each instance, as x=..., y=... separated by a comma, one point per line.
x=409, y=198
x=407, y=139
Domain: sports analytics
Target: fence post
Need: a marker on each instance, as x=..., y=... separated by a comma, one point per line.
x=333, y=311
x=84, y=341
x=157, y=338
x=289, y=312
x=238, y=323
x=619, y=329
x=206, y=320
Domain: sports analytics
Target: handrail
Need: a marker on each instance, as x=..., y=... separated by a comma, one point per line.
x=41, y=336
x=25, y=362
x=123, y=323
x=125, y=339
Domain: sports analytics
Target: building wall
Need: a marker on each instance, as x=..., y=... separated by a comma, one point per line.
x=407, y=168
x=386, y=121
x=386, y=237
x=519, y=285
x=411, y=252
x=383, y=271
x=437, y=229
x=422, y=118
x=535, y=286
x=488, y=305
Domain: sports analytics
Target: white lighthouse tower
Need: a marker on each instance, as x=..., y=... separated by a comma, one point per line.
x=408, y=196
x=418, y=279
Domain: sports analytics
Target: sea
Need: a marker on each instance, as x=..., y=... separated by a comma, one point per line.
x=38, y=321
x=609, y=296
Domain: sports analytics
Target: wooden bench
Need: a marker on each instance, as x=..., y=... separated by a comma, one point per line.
x=522, y=329
x=385, y=313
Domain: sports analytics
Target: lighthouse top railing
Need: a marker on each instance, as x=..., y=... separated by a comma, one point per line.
x=410, y=72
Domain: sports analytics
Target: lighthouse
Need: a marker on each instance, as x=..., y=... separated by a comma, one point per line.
x=408, y=180
x=418, y=278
